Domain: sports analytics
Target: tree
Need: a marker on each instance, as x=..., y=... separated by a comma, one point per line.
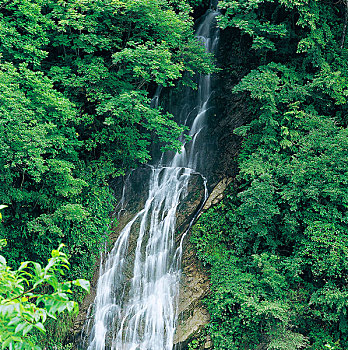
x=277, y=244
x=76, y=82
x=30, y=295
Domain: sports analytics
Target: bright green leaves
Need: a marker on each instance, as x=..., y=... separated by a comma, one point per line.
x=161, y=46
x=331, y=83
x=42, y=177
x=308, y=177
x=23, y=31
x=288, y=26
x=326, y=250
x=262, y=83
x=278, y=90
x=250, y=302
x=132, y=109
x=150, y=63
x=60, y=171
x=312, y=37
x=75, y=79
x=112, y=52
x=258, y=206
x=277, y=243
x=30, y=112
x=30, y=295
x=82, y=283
x=273, y=83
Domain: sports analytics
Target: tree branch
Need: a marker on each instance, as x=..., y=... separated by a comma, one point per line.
x=21, y=295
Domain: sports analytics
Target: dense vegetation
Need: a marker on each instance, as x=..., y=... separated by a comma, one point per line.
x=76, y=79
x=31, y=295
x=277, y=245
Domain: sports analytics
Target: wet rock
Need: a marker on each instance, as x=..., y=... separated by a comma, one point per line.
x=217, y=194
x=194, y=287
x=190, y=204
x=131, y=200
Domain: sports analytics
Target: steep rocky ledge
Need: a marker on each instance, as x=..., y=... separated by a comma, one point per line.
x=195, y=281
x=194, y=286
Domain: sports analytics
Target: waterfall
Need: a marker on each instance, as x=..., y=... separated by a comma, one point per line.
x=138, y=310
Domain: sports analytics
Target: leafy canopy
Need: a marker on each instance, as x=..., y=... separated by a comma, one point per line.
x=75, y=84
x=277, y=243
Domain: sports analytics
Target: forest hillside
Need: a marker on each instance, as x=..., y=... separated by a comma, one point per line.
x=76, y=81
x=277, y=244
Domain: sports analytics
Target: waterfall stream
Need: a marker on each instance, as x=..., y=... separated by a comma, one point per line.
x=140, y=312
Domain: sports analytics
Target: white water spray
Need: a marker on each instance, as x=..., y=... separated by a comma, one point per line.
x=138, y=310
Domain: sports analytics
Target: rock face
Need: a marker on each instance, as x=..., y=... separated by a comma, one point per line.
x=194, y=287
x=195, y=282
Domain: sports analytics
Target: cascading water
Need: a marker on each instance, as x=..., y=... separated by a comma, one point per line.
x=140, y=312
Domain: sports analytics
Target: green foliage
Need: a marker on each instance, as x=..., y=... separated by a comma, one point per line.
x=198, y=340
x=242, y=15
x=194, y=344
x=277, y=243
x=76, y=79
x=30, y=295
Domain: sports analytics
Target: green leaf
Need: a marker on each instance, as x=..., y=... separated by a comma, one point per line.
x=27, y=329
x=55, y=253
x=6, y=342
x=40, y=327
x=20, y=327
x=83, y=284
